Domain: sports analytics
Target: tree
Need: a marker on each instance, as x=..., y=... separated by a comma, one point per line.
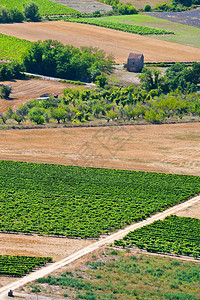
x=36, y=115
x=17, y=15
x=150, y=79
x=101, y=80
x=58, y=113
x=5, y=15
x=147, y=7
x=31, y=11
x=17, y=118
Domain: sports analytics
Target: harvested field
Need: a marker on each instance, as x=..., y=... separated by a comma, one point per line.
x=173, y=148
x=141, y=3
x=58, y=248
x=192, y=211
x=26, y=90
x=118, y=43
x=85, y=6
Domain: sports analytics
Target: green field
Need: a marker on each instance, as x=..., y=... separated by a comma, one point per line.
x=124, y=276
x=84, y=202
x=12, y=48
x=17, y=266
x=46, y=7
x=186, y=35
x=179, y=235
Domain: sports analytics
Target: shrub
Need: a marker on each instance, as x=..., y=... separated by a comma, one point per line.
x=31, y=11
x=147, y=8
x=5, y=91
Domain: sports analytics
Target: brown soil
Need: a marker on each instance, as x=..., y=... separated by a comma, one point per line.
x=112, y=41
x=173, y=148
x=26, y=90
x=192, y=211
x=141, y=3
x=58, y=248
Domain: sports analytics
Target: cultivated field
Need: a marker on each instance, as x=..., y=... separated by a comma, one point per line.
x=118, y=43
x=26, y=90
x=85, y=6
x=141, y=3
x=166, y=148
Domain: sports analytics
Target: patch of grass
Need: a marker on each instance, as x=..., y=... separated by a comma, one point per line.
x=12, y=48
x=46, y=7
x=144, y=277
x=183, y=34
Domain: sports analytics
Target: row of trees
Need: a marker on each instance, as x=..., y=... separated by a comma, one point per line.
x=127, y=104
x=30, y=13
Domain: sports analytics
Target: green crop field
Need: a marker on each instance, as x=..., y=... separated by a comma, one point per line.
x=12, y=48
x=46, y=7
x=17, y=266
x=183, y=34
x=120, y=275
x=131, y=28
x=179, y=235
x=84, y=202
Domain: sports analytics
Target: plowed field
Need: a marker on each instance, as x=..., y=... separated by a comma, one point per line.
x=26, y=90
x=112, y=41
x=166, y=148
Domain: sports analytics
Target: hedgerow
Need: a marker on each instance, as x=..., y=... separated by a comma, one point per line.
x=84, y=202
x=138, y=29
x=17, y=266
x=179, y=235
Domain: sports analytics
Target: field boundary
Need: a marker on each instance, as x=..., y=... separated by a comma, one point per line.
x=102, y=242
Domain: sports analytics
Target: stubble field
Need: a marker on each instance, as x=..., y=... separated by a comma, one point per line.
x=120, y=44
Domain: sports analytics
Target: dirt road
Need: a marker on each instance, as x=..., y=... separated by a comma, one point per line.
x=120, y=44
x=109, y=239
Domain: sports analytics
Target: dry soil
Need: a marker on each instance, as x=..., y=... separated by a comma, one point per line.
x=120, y=44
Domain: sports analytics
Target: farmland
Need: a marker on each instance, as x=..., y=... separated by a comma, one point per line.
x=183, y=34
x=86, y=6
x=26, y=90
x=17, y=266
x=191, y=18
x=111, y=274
x=12, y=48
x=87, y=202
x=178, y=235
x=112, y=41
x=46, y=7
x=142, y=30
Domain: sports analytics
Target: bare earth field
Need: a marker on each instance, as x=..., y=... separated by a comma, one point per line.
x=120, y=44
x=33, y=245
x=192, y=211
x=26, y=90
x=173, y=148
x=85, y=6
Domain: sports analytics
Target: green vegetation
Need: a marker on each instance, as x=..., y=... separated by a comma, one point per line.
x=17, y=266
x=179, y=235
x=143, y=30
x=122, y=275
x=52, y=58
x=84, y=202
x=5, y=91
x=12, y=48
x=10, y=71
x=46, y=7
x=183, y=34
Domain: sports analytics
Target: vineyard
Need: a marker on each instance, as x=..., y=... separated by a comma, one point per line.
x=46, y=7
x=138, y=29
x=179, y=235
x=17, y=266
x=12, y=48
x=84, y=202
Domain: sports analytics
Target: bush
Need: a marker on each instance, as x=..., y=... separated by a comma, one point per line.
x=147, y=8
x=5, y=91
x=5, y=15
x=31, y=11
x=17, y=16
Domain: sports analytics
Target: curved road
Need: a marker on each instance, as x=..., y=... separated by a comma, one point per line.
x=102, y=242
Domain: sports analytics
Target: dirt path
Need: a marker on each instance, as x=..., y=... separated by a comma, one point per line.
x=109, y=239
x=120, y=44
